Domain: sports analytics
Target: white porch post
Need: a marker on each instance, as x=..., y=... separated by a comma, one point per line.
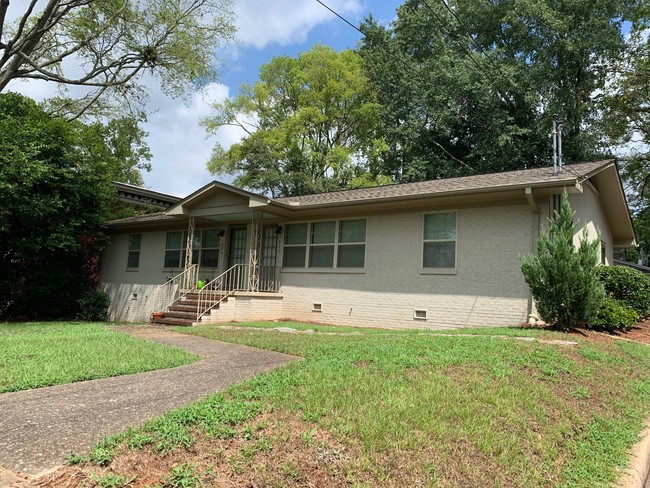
x=254, y=260
x=190, y=281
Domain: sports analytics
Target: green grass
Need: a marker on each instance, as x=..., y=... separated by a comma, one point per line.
x=424, y=409
x=33, y=355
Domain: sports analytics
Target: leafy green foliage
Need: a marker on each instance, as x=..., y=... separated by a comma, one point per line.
x=629, y=286
x=54, y=196
x=614, y=314
x=93, y=306
x=183, y=476
x=474, y=90
x=107, y=45
x=311, y=125
x=564, y=280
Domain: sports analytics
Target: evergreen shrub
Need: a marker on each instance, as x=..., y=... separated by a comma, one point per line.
x=93, y=306
x=564, y=280
x=627, y=285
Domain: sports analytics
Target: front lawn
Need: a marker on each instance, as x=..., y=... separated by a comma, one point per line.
x=400, y=409
x=49, y=353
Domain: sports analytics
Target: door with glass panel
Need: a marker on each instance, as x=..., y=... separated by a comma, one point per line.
x=268, y=275
x=237, y=255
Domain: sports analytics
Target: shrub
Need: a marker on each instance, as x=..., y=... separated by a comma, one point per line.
x=627, y=285
x=93, y=307
x=614, y=315
x=563, y=279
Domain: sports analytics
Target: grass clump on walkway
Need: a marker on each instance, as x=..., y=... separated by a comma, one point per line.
x=406, y=409
x=40, y=354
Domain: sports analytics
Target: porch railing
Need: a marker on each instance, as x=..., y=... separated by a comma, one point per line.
x=178, y=286
x=236, y=278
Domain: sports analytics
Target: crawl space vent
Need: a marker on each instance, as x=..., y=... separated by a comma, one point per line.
x=419, y=314
x=317, y=307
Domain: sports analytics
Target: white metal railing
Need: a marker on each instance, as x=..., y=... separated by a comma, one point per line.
x=177, y=286
x=236, y=278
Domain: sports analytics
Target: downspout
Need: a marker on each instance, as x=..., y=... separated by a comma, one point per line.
x=532, y=311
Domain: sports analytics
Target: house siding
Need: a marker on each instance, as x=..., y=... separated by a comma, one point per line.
x=589, y=212
x=487, y=288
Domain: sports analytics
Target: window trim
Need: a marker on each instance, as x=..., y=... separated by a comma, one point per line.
x=196, y=251
x=308, y=245
x=431, y=270
x=129, y=251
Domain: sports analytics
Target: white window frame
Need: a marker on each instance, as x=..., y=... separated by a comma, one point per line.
x=197, y=252
x=130, y=251
x=308, y=246
x=430, y=270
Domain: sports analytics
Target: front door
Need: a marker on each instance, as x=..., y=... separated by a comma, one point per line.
x=237, y=247
x=268, y=272
x=237, y=255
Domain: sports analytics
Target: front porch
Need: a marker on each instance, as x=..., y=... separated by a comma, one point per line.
x=228, y=254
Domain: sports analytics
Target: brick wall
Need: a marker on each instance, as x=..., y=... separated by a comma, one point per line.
x=486, y=289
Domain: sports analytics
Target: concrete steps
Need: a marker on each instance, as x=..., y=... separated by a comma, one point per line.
x=183, y=311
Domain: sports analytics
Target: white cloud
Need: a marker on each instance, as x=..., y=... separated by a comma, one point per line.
x=285, y=21
x=179, y=143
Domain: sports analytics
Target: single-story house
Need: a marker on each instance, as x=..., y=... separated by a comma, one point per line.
x=439, y=253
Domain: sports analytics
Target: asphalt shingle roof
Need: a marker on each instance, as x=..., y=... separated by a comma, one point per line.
x=489, y=181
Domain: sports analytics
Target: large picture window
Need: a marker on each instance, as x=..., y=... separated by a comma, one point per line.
x=331, y=244
x=205, y=248
x=439, y=240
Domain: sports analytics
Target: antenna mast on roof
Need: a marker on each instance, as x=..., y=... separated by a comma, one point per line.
x=556, y=134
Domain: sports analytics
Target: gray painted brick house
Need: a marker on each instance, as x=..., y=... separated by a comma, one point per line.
x=440, y=253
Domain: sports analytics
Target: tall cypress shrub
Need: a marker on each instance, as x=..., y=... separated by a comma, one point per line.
x=562, y=278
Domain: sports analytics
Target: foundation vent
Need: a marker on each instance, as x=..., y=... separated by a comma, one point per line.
x=419, y=314
x=317, y=307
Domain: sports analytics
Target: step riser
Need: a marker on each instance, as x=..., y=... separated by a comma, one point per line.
x=183, y=311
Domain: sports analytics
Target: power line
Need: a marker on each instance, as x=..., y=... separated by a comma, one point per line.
x=478, y=46
x=406, y=65
x=469, y=54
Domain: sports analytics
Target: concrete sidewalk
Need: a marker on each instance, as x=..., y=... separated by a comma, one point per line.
x=38, y=428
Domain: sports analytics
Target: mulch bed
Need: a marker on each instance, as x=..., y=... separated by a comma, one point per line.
x=639, y=333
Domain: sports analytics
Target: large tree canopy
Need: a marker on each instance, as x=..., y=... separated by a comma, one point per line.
x=105, y=45
x=311, y=125
x=470, y=86
x=55, y=193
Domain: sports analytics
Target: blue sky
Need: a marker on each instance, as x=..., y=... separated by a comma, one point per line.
x=265, y=29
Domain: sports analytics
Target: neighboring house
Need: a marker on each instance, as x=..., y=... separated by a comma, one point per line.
x=439, y=253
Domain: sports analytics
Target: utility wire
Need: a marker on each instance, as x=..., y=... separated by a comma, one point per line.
x=468, y=53
x=443, y=25
x=478, y=46
x=406, y=65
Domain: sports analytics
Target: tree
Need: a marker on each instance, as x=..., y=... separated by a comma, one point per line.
x=564, y=280
x=120, y=146
x=107, y=45
x=468, y=87
x=311, y=125
x=54, y=196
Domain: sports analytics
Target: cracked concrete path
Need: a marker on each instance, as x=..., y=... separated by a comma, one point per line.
x=39, y=427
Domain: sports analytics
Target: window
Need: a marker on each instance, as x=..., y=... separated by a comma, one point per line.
x=205, y=248
x=603, y=253
x=439, y=240
x=332, y=244
x=237, y=246
x=133, y=260
x=209, y=248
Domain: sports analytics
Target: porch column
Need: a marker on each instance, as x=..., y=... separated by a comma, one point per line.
x=189, y=280
x=256, y=245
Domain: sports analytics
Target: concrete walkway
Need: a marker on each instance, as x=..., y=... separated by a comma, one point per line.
x=38, y=428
